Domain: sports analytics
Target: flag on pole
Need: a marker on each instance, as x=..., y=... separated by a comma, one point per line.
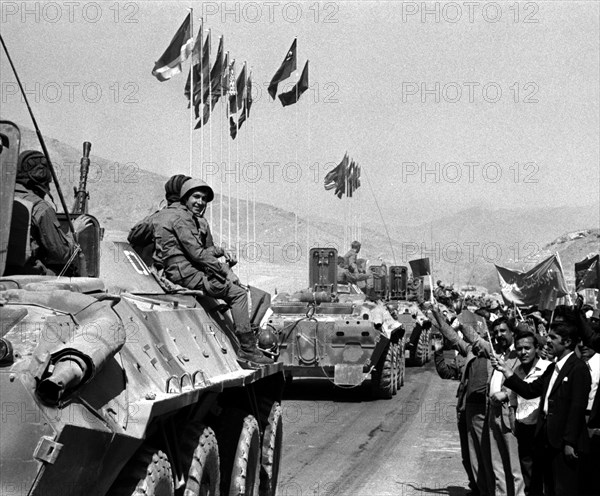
x=587, y=273
x=232, y=90
x=420, y=267
x=247, y=102
x=240, y=87
x=539, y=286
x=285, y=70
x=232, y=128
x=169, y=64
x=205, y=116
x=336, y=178
x=225, y=75
x=349, y=186
x=216, y=74
x=195, y=68
x=295, y=93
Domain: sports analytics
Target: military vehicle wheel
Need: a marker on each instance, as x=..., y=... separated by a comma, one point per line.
x=395, y=363
x=402, y=359
x=147, y=474
x=381, y=381
x=271, y=452
x=419, y=356
x=245, y=475
x=203, y=475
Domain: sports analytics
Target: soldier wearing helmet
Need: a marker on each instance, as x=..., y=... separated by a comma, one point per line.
x=50, y=248
x=183, y=248
x=141, y=236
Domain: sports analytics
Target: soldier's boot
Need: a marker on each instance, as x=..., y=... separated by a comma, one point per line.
x=249, y=352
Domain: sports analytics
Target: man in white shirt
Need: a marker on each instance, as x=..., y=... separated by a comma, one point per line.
x=530, y=368
x=500, y=442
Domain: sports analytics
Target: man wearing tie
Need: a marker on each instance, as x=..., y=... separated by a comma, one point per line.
x=561, y=433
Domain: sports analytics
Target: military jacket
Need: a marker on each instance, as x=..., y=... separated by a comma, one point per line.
x=180, y=247
x=49, y=243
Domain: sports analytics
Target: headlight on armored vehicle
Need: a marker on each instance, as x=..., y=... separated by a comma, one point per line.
x=6, y=351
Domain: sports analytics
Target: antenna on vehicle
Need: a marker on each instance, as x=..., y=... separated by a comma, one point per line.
x=42, y=142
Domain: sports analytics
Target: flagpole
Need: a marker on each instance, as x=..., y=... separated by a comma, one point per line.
x=296, y=159
x=383, y=220
x=192, y=93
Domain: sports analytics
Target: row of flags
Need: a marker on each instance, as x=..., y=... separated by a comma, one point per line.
x=212, y=83
x=344, y=178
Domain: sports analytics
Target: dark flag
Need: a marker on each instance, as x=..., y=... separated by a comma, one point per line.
x=336, y=178
x=225, y=75
x=587, y=273
x=540, y=286
x=240, y=87
x=232, y=128
x=195, y=68
x=178, y=50
x=216, y=73
x=285, y=70
x=295, y=93
x=247, y=102
x=350, y=186
x=420, y=267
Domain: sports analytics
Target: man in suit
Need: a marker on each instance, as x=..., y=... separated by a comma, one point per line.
x=561, y=434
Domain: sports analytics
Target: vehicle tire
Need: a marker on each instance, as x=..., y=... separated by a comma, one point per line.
x=401, y=363
x=147, y=474
x=245, y=474
x=381, y=381
x=204, y=473
x=271, y=452
x=421, y=351
x=395, y=362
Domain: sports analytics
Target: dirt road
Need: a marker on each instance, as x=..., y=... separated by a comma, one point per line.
x=340, y=442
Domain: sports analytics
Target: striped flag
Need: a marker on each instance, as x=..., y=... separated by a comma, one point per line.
x=169, y=64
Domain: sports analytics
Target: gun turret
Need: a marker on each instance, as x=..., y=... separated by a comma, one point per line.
x=81, y=194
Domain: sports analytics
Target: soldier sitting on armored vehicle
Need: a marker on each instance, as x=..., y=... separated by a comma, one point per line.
x=48, y=249
x=141, y=239
x=181, y=249
x=141, y=236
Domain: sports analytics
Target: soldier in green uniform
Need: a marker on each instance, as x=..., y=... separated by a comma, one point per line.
x=50, y=247
x=184, y=250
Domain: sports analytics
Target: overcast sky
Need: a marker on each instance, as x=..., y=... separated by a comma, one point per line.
x=503, y=97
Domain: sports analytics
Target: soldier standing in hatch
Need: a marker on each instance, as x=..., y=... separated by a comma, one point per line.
x=51, y=248
x=182, y=250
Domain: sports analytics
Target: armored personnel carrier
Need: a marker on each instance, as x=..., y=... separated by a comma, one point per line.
x=112, y=385
x=333, y=330
x=401, y=295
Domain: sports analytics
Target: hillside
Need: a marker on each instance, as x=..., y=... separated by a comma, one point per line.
x=462, y=247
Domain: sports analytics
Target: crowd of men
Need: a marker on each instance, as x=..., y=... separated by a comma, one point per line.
x=527, y=411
